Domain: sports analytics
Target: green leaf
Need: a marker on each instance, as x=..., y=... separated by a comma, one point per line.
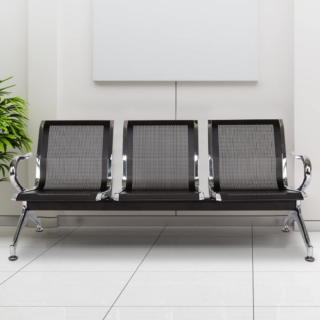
x=3, y=172
x=7, y=167
x=8, y=136
x=5, y=141
x=13, y=117
x=6, y=79
x=7, y=87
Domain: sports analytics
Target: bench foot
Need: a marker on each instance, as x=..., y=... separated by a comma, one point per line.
x=13, y=258
x=25, y=216
x=298, y=218
x=309, y=259
x=39, y=229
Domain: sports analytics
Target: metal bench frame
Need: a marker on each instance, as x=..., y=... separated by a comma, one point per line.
x=208, y=204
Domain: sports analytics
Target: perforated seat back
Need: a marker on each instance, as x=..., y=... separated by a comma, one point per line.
x=248, y=158
x=160, y=158
x=161, y=155
x=76, y=156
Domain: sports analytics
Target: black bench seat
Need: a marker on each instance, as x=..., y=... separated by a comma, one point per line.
x=205, y=205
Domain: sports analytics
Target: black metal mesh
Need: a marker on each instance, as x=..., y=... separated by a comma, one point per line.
x=160, y=157
x=247, y=157
x=74, y=158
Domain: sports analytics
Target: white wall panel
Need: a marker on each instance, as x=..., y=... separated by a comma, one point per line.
x=42, y=69
x=13, y=62
x=165, y=40
x=307, y=97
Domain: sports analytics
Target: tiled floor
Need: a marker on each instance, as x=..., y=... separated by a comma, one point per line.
x=169, y=273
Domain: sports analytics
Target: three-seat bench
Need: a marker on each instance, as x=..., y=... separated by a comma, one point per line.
x=247, y=170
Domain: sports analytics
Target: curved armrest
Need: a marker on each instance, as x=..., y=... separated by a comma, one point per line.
x=307, y=170
x=13, y=170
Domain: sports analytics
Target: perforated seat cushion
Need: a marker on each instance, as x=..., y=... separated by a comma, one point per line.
x=58, y=195
x=159, y=195
x=260, y=195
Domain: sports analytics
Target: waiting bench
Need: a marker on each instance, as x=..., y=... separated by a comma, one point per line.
x=247, y=170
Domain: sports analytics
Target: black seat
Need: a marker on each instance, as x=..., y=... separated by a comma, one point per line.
x=261, y=195
x=248, y=164
x=58, y=195
x=73, y=162
x=136, y=195
x=160, y=161
x=73, y=165
x=247, y=161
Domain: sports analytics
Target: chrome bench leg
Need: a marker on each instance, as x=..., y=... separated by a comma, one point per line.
x=304, y=234
x=25, y=215
x=297, y=216
x=32, y=216
x=288, y=220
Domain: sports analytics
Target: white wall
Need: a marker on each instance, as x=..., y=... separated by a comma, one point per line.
x=307, y=96
x=42, y=68
x=65, y=75
x=13, y=62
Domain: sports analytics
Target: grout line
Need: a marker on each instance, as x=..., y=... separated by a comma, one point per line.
x=151, y=306
x=226, y=307
x=167, y=271
x=156, y=271
x=170, y=306
x=134, y=273
x=252, y=274
x=39, y=255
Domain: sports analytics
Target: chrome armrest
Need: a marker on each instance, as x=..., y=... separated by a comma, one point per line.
x=307, y=170
x=13, y=172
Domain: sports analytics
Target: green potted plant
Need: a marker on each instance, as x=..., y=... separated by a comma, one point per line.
x=13, y=117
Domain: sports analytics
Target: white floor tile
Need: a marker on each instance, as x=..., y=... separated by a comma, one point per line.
x=284, y=259
x=88, y=237
x=82, y=289
x=206, y=231
x=285, y=289
x=188, y=289
x=180, y=313
x=25, y=254
x=105, y=241
x=4, y=276
x=286, y=313
x=31, y=238
x=53, y=313
x=117, y=254
x=270, y=237
x=182, y=253
x=117, y=231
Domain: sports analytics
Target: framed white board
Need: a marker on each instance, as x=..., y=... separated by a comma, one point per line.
x=175, y=40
